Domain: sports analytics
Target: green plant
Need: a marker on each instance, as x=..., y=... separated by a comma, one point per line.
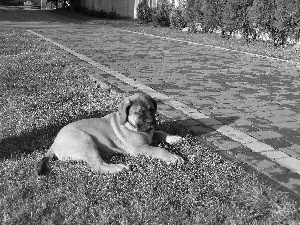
x=112, y=14
x=177, y=19
x=161, y=16
x=193, y=14
x=75, y=5
x=212, y=15
x=101, y=13
x=144, y=12
x=278, y=18
x=235, y=18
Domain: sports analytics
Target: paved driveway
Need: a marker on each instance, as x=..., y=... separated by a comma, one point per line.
x=249, y=104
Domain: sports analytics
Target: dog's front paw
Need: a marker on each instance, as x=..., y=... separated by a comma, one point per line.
x=171, y=139
x=114, y=168
x=175, y=159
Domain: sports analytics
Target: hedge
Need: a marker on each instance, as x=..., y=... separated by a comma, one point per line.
x=279, y=18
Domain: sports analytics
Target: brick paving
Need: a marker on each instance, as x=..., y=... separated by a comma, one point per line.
x=243, y=104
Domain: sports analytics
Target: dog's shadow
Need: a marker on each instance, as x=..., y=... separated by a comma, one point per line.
x=14, y=146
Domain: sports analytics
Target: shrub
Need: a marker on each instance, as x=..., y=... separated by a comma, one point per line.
x=279, y=18
x=212, y=14
x=161, y=16
x=144, y=12
x=177, y=19
x=85, y=10
x=206, y=12
x=75, y=5
x=235, y=18
x=112, y=14
x=100, y=13
x=193, y=13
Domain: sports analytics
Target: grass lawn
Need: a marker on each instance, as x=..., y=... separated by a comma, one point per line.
x=41, y=91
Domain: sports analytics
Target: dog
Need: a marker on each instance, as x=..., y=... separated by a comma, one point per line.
x=129, y=131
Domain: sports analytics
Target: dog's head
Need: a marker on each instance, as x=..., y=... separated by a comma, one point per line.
x=138, y=110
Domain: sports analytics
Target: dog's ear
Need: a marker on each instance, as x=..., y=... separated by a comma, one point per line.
x=149, y=98
x=123, y=110
x=154, y=104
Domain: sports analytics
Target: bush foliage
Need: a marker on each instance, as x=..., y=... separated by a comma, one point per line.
x=161, y=16
x=280, y=19
x=177, y=20
x=144, y=12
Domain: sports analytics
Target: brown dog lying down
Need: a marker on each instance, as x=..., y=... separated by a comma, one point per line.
x=128, y=131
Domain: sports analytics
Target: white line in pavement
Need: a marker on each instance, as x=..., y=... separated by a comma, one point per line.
x=217, y=125
x=216, y=47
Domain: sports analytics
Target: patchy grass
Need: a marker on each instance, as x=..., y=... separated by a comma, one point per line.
x=41, y=91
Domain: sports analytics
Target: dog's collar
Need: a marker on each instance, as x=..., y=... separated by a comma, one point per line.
x=131, y=124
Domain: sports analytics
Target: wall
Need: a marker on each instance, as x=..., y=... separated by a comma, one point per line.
x=125, y=8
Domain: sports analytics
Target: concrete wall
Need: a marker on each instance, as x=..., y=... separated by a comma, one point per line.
x=125, y=8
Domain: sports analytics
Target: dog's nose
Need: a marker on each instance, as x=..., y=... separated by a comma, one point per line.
x=151, y=122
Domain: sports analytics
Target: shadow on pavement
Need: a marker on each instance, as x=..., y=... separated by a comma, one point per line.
x=22, y=15
x=19, y=16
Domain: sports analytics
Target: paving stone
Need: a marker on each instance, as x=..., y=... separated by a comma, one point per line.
x=173, y=114
x=246, y=129
x=276, y=170
x=189, y=122
x=283, y=112
x=258, y=146
x=290, y=163
x=223, y=111
x=290, y=180
x=277, y=142
x=288, y=132
x=263, y=114
x=162, y=106
x=257, y=160
x=240, y=137
x=210, y=121
x=225, y=119
x=266, y=127
x=275, y=154
x=265, y=135
x=200, y=130
x=288, y=125
x=226, y=144
x=278, y=119
x=239, y=150
x=293, y=139
x=196, y=115
x=257, y=120
x=212, y=138
x=295, y=148
x=291, y=152
x=243, y=122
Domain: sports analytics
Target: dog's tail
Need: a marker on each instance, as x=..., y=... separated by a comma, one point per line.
x=42, y=168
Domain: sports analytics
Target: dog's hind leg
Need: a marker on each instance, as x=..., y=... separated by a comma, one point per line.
x=42, y=165
x=97, y=164
x=78, y=145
